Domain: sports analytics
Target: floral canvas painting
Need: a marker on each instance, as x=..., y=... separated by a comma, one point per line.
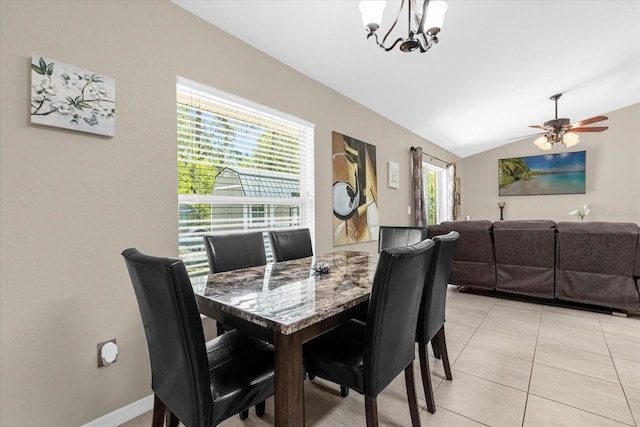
x=72, y=98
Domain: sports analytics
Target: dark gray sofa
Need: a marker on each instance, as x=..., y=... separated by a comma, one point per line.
x=594, y=263
x=525, y=257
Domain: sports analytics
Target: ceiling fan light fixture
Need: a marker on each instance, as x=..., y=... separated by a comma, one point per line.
x=570, y=139
x=541, y=142
x=561, y=130
x=424, y=22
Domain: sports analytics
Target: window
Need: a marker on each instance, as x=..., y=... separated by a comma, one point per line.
x=435, y=189
x=241, y=166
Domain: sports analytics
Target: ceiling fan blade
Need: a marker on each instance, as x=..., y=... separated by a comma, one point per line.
x=593, y=129
x=525, y=136
x=538, y=127
x=588, y=121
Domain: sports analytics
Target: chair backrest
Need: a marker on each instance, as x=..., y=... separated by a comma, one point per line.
x=434, y=298
x=290, y=244
x=179, y=367
x=393, y=313
x=234, y=251
x=393, y=237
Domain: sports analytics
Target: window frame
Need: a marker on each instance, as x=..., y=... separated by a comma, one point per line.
x=269, y=118
x=441, y=191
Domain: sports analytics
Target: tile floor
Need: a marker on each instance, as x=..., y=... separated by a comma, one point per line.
x=513, y=363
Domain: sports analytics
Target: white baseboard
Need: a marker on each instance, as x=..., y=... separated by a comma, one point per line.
x=124, y=414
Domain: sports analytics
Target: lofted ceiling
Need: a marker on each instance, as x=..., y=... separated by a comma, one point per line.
x=488, y=79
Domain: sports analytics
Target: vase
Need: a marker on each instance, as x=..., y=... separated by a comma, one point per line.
x=501, y=206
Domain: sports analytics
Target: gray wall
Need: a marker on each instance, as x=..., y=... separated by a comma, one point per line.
x=613, y=177
x=71, y=202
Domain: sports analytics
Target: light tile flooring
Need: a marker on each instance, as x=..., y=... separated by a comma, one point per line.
x=514, y=364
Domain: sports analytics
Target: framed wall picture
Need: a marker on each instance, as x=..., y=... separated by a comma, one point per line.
x=562, y=173
x=69, y=97
x=393, y=175
x=355, y=191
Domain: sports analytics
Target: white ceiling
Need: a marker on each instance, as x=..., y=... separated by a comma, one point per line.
x=488, y=79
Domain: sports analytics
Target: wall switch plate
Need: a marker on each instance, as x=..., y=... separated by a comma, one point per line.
x=408, y=210
x=107, y=353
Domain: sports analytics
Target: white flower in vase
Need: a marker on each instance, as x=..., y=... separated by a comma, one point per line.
x=580, y=212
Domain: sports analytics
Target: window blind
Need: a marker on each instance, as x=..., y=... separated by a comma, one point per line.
x=241, y=167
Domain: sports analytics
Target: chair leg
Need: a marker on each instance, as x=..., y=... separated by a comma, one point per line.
x=371, y=410
x=244, y=414
x=436, y=350
x=426, y=378
x=159, y=411
x=442, y=344
x=260, y=408
x=411, y=395
x=172, y=420
x=344, y=391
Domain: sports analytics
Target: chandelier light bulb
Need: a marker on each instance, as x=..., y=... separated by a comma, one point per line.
x=435, y=16
x=570, y=139
x=371, y=11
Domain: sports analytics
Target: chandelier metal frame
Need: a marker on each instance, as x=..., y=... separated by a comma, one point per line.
x=421, y=39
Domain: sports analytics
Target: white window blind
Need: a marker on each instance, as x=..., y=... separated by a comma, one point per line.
x=241, y=167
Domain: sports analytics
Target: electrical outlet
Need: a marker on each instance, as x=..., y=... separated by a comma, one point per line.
x=107, y=353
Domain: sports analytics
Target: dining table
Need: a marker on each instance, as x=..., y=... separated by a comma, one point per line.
x=287, y=304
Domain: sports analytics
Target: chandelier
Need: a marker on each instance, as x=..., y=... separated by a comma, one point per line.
x=424, y=23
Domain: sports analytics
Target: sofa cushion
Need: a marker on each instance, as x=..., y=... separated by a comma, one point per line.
x=636, y=270
x=525, y=242
x=595, y=262
x=525, y=257
x=473, y=260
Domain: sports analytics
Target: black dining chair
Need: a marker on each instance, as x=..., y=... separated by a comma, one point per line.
x=290, y=244
x=366, y=357
x=228, y=252
x=393, y=236
x=432, y=313
x=199, y=384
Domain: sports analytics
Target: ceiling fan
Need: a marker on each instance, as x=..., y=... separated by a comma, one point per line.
x=560, y=130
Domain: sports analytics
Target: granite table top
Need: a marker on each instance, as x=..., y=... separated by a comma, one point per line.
x=289, y=296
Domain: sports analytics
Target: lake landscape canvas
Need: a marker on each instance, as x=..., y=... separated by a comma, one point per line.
x=562, y=173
